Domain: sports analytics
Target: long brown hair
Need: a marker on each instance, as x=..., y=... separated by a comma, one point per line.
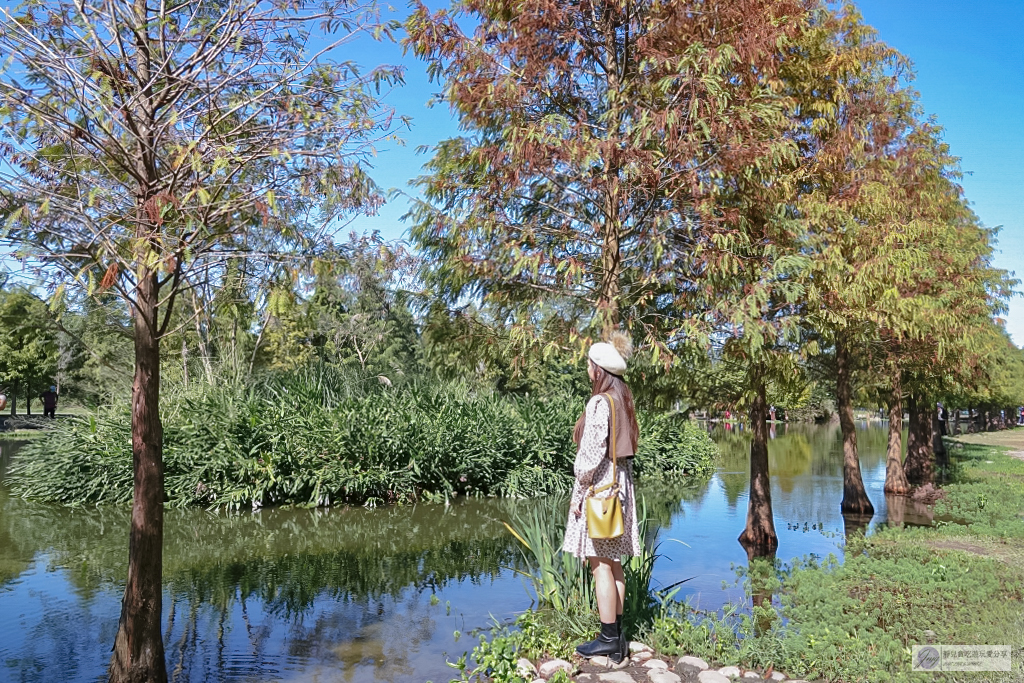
x=607, y=383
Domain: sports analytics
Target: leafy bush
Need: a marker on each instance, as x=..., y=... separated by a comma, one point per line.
x=318, y=437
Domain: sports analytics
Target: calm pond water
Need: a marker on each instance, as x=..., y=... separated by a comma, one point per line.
x=370, y=595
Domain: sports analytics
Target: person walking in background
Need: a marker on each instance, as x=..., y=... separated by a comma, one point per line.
x=49, y=402
x=609, y=413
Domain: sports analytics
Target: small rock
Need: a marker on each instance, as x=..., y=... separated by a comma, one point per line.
x=639, y=647
x=641, y=657
x=585, y=678
x=693, y=662
x=752, y=676
x=730, y=671
x=663, y=676
x=525, y=668
x=549, y=668
x=606, y=663
x=656, y=664
x=776, y=676
x=615, y=677
x=712, y=677
x=539, y=680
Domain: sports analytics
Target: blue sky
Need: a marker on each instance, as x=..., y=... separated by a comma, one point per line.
x=969, y=58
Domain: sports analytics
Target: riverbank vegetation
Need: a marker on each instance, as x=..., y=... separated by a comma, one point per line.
x=317, y=436
x=958, y=582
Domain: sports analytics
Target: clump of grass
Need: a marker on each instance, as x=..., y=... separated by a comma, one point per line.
x=562, y=585
x=320, y=437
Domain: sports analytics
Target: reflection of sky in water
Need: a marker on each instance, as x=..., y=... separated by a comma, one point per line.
x=345, y=595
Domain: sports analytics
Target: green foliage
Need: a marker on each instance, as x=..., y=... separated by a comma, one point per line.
x=28, y=346
x=320, y=437
x=494, y=658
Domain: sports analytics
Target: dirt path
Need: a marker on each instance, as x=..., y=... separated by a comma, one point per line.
x=1011, y=439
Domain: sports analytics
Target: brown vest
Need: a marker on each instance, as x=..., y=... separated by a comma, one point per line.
x=623, y=444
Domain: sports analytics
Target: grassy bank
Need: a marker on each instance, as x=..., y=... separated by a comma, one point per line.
x=319, y=438
x=956, y=583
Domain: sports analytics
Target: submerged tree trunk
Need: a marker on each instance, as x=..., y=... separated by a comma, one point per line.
x=895, y=478
x=138, y=646
x=855, y=498
x=759, y=538
x=918, y=466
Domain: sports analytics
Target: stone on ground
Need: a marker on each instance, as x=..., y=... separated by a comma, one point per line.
x=752, y=676
x=634, y=646
x=550, y=668
x=615, y=677
x=730, y=671
x=712, y=677
x=776, y=676
x=695, y=663
x=525, y=668
x=606, y=663
x=656, y=664
x=663, y=676
x=641, y=657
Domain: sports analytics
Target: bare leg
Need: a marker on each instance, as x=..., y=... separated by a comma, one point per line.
x=606, y=588
x=620, y=585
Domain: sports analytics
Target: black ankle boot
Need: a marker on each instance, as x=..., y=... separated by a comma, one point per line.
x=607, y=643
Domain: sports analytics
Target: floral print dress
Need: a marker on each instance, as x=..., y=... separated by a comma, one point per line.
x=593, y=468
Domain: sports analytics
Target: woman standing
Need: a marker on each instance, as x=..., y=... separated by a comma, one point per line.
x=593, y=468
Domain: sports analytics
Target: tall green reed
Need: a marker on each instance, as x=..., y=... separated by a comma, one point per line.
x=318, y=436
x=562, y=583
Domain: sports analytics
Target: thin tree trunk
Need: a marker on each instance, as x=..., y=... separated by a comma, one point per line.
x=608, y=298
x=14, y=400
x=956, y=422
x=938, y=445
x=138, y=647
x=184, y=361
x=895, y=478
x=759, y=538
x=855, y=498
x=918, y=465
x=28, y=399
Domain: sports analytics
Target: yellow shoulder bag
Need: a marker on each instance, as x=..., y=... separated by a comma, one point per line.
x=604, y=515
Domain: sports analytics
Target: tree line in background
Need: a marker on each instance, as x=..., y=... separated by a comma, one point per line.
x=749, y=187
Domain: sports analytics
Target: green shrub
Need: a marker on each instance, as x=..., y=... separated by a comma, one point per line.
x=318, y=437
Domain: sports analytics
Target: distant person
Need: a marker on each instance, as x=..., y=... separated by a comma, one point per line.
x=606, y=434
x=943, y=416
x=49, y=402
x=1020, y=415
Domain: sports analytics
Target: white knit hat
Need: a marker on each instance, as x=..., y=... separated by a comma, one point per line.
x=613, y=354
